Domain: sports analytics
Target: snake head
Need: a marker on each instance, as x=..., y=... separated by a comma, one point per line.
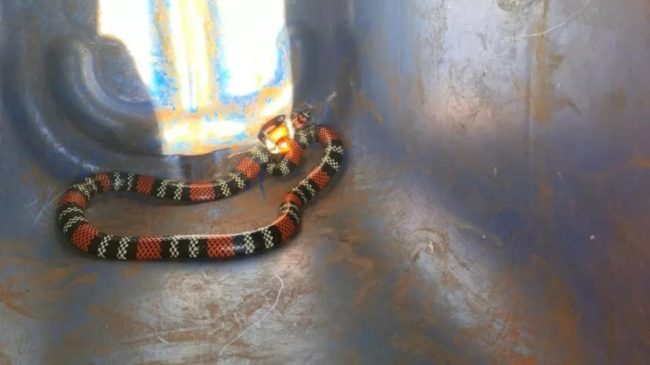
x=302, y=118
x=276, y=134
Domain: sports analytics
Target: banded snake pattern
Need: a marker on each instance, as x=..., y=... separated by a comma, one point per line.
x=82, y=234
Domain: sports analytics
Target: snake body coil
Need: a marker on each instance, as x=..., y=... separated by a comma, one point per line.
x=76, y=228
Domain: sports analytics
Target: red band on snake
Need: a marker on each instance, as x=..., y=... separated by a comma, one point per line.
x=83, y=235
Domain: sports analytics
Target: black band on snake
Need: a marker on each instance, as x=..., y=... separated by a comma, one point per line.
x=282, y=148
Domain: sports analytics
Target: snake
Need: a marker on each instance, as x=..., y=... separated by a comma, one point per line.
x=76, y=228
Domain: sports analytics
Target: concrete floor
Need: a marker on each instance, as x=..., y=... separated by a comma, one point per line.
x=494, y=206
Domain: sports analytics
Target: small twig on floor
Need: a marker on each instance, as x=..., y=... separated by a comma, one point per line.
x=49, y=200
x=559, y=25
x=277, y=298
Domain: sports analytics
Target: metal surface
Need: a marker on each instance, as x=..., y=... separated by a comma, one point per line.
x=494, y=208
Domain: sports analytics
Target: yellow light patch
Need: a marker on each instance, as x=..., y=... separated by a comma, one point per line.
x=278, y=133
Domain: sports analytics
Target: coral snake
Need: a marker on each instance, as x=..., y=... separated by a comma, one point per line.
x=283, y=143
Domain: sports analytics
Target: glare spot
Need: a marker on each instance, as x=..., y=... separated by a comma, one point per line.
x=176, y=132
x=278, y=105
x=195, y=56
x=250, y=31
x=132, y=27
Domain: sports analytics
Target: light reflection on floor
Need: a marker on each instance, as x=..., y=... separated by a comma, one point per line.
x=215, y=70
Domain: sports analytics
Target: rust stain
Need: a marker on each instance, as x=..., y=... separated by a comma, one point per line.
x=49, y=282
x=563, y=328
x=521, y=90
x=4, y=359
x=60, y=279
x=540, y=82
x=545, y=63
x=364, y=104
x=421, y=315
x=551, y=336
x=348, y=355
x=504, y=341
x=362, y=267
x=13, y=298
x=346, y=254
x=388, y=69
x=619, y=278
x=511, y=341
x=640, y=163
x=562, y=102
x=617, y=99
x=418, y=88
x=51, y=276
x=175, y=336
x=514, y=5
x=508, y=330
x=417, y=343
x=523, y=360
x=33, y=172
x=546, y=191
x=557, y=102
x=405, y=284
x=85, y=279
x=440, y=248
x=121, y=322
x=619, y=275
x=643, y=99
x=132, y=270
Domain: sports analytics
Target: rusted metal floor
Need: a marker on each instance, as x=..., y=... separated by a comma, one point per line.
x=494, y=207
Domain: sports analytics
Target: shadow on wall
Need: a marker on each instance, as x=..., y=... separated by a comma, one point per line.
x=58, y=89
